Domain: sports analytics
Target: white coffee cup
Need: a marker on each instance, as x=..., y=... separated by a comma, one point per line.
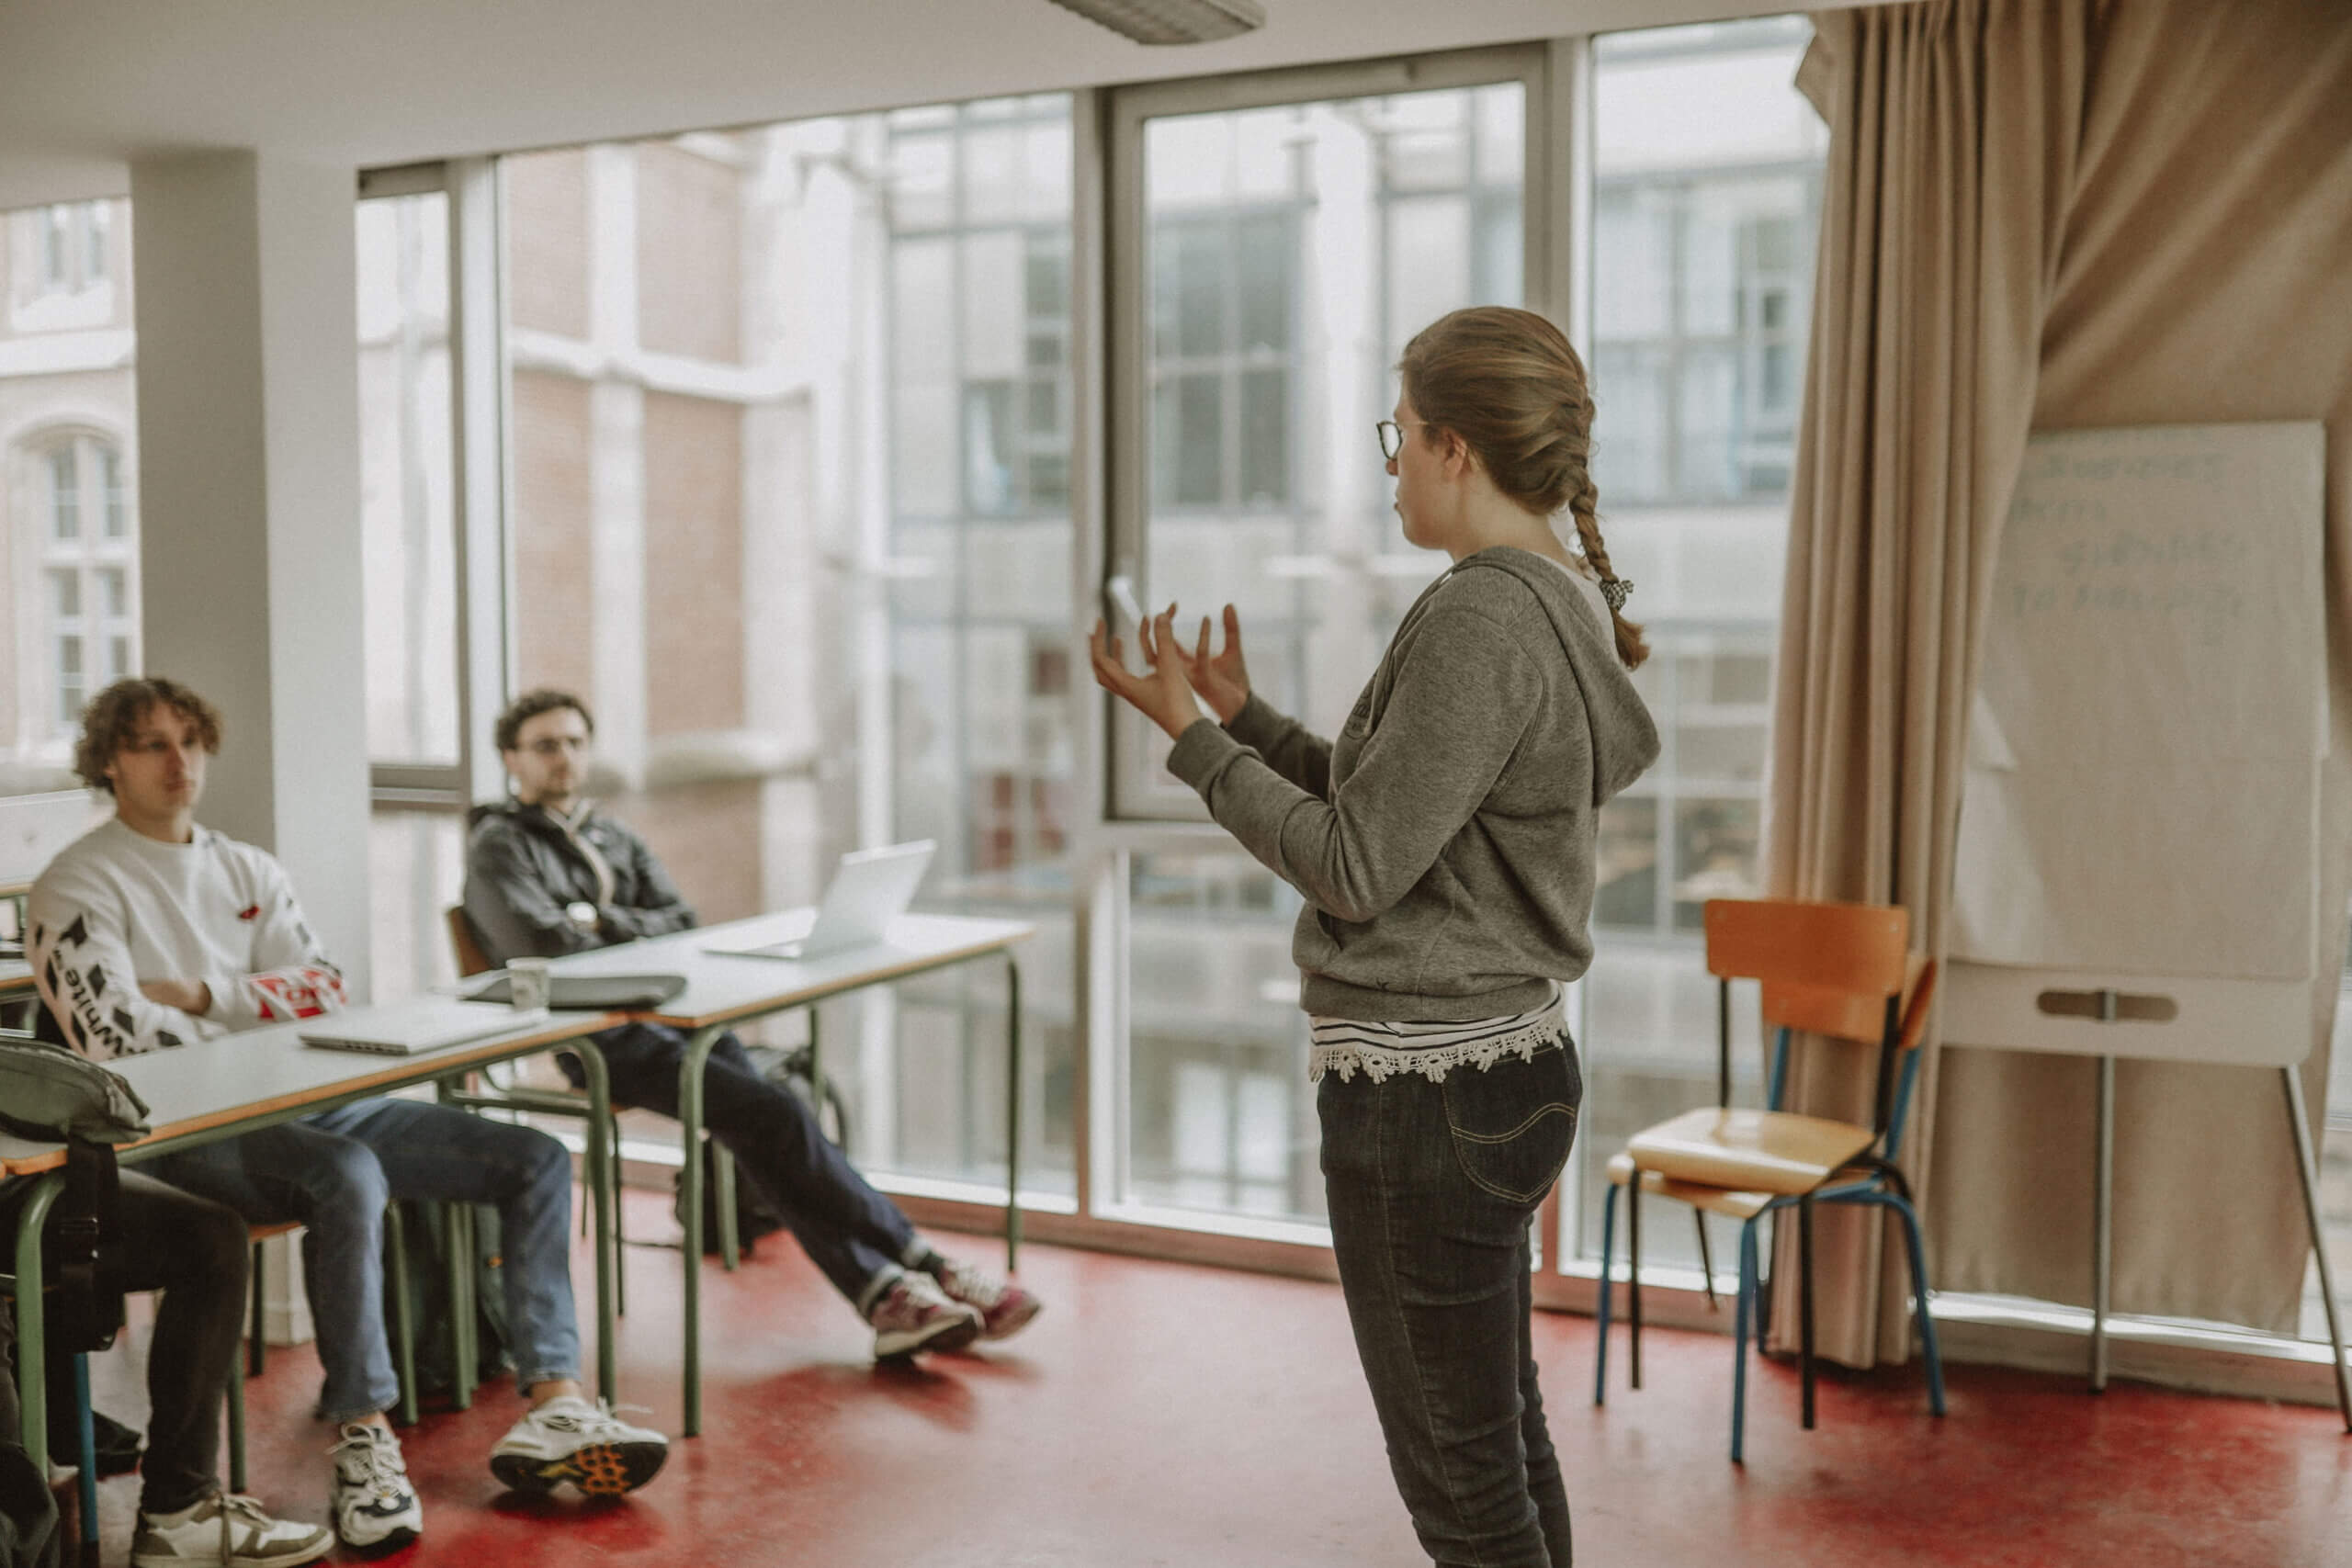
x=528, y=981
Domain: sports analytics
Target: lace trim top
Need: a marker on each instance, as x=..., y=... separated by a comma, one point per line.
x=1344, y=1044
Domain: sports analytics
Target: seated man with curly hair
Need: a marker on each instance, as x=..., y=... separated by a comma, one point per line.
x=152, y=933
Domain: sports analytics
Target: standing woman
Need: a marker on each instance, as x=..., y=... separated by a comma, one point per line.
x=1445, y=848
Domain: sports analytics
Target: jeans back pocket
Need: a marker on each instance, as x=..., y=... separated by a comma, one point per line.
x=1513, y=1123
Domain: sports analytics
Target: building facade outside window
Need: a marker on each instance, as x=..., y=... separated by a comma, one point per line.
x=1703, y=227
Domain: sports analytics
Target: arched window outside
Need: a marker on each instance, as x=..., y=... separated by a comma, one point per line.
x=88, y=549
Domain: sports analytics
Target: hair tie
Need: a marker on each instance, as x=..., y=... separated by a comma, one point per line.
x=1615, y=591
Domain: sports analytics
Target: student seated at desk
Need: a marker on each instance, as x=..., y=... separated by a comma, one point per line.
x=548, y=874
x=151, y=933
x=194, y=1251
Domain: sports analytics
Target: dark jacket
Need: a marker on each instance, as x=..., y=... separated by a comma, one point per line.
x=522, y=869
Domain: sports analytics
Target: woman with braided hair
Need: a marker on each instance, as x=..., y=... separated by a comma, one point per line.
x=1444, y=846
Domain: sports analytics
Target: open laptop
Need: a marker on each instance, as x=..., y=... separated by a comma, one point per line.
x=870, y=888
x=417, y=1024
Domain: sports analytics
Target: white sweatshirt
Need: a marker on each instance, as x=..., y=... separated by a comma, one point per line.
x=116, y=906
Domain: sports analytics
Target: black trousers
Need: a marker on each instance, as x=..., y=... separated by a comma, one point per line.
x=194, y=1251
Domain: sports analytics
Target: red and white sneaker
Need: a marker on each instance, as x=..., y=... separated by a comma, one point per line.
x=913, y=1315
x=1004, y=1307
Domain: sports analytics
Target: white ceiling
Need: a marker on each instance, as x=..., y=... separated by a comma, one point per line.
x=85, y=85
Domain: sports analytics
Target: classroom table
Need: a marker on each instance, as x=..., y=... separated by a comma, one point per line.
x=725, y=989
x=276, y=1078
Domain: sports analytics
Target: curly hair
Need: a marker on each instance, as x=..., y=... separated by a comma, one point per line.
x=529, y=706
x=112, y=718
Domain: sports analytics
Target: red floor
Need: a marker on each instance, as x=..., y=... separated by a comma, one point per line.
x=1187, y=1418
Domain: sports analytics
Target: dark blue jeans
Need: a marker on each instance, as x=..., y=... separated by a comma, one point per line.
x=1432, y=1187
x=334, y=1171
x=857, y=1236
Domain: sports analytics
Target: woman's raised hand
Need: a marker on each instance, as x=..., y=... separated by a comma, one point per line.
x=1162, y=693
x=1223, y=681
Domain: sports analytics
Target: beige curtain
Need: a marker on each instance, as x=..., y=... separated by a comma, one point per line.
x=2037, y=214
x=2206, y=277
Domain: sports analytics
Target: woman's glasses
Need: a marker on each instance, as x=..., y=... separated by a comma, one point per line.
x=1392, y=438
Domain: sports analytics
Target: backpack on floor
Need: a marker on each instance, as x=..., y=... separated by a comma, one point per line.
x=424, y=1235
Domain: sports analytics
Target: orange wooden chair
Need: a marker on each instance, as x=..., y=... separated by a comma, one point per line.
x=1840, y=970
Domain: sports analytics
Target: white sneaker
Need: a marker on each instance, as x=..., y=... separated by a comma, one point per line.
x=913, y=1314
x=226, y=1531
x=374, y=1507
x=569, y=1439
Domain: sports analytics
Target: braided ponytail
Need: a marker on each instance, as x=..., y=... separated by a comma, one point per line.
x=1509, y=384
x=1583, y=505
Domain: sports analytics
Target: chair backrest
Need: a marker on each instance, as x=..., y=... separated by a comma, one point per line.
x=1853, y=1015
x=1850, y=1015
x=471, y=959
x=1857, y=948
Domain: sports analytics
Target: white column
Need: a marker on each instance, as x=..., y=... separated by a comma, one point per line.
x=616, y=465
x=249, y=488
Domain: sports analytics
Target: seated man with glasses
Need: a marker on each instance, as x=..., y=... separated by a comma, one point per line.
x=152, y=933
x=548, y=874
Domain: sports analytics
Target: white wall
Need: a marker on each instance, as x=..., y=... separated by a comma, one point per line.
x=249, y=488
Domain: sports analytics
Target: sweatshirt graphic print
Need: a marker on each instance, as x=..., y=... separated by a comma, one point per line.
x=115, y=907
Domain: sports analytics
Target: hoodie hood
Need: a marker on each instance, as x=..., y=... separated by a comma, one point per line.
x=1624, y=738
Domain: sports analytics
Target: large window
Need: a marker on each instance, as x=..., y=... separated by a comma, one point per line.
x=1702, y=237
x=792, y=419
x=1282, y=253
x=407, y=527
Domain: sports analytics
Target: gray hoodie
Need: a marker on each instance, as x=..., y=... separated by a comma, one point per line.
x=1444, y=842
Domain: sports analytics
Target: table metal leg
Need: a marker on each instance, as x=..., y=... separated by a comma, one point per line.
x=690, y=1104
x=2292, y=1077
x=1011, y=1112
x=601, y=1185
x=2102, y=1223
x=32, y=1344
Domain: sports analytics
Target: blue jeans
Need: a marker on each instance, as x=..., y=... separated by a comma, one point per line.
x=333, y=1172
x=859, y=1238
x=1432, y=1188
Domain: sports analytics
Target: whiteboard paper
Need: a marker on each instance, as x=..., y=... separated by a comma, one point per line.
x=2142, y=795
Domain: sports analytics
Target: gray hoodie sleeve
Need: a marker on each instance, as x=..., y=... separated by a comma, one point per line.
x=1458, y=707
x=1284, y=745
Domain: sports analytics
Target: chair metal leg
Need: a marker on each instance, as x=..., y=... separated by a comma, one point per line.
x=86, y=1434
x=1917, y=1250
x=1633, y=1275
x=1805, y=1298
x=235, y=1402
x=1740, y=1315
x=459, y=1228
x=256, y=1356
x=403, y=1318
x=1600, y=1340
x=1706, y=1259
x=1011, y=1111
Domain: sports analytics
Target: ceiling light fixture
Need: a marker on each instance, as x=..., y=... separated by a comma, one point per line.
x=1171, y=21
